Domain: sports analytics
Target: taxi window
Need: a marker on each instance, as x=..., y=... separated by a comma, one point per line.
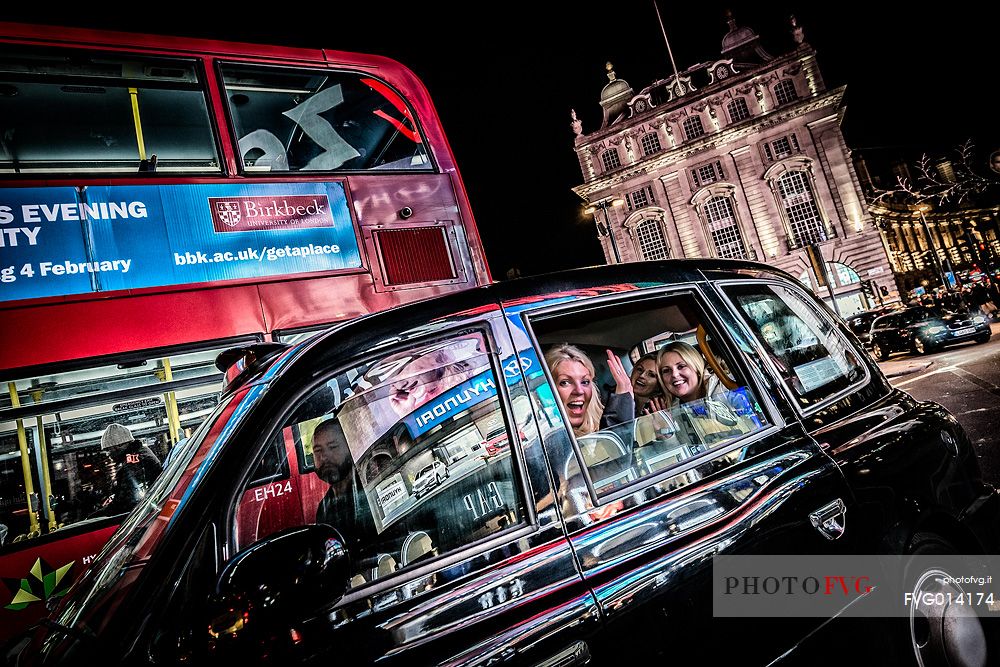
x=683, y=394
x=392, y=454
x=814, y=360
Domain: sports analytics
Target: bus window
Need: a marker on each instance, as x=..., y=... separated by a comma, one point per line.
x=320, y=120
x=63, y=113
x=61, y=419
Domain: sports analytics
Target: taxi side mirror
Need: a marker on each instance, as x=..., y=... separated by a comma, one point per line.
x=270, y=586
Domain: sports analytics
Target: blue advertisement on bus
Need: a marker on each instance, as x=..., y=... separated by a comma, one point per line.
x=77, y=240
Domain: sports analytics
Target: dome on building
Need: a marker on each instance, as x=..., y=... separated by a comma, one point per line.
x=742, y=43
x=737, y=37
x=614, y=97
x=614, y=90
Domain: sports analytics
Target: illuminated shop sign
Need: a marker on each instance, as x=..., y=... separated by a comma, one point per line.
x=452, y=402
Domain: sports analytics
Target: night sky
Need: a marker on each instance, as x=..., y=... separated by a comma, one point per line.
x=504, y=80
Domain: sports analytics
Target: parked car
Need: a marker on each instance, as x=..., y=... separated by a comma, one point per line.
x=497, y=440
x=861, y=323
x=923, y=329
x=574, y=548
x=430, y=476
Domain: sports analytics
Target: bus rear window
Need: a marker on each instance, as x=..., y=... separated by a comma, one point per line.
x=84, y=112
x=320, y=120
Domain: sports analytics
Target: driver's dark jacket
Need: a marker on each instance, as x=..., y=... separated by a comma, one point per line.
x=349, y=513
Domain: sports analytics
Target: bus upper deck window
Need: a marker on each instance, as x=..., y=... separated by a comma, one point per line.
x=84, y=112
x=306, y=120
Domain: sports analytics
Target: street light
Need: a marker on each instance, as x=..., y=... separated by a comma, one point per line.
x=921, y=208
x=605, y=228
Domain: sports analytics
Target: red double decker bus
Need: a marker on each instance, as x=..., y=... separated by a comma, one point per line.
x=163, y=199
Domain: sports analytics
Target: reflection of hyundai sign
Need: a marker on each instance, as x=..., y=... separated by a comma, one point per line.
x=510, y=369
x=464, y=396
x=391, y=493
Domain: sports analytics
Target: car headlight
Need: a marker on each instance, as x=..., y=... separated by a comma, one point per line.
x=934, y=330
x=979, y=319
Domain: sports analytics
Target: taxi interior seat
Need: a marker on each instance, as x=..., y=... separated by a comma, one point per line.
x=657, y=444
x=607, y=458
x=384, y=565
x=416, y=546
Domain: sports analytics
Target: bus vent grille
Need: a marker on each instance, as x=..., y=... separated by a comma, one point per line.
x=415, y=255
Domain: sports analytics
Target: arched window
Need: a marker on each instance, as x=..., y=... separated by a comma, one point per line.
x=650, y=143
x=649, y=236
x=610, y=159
x=842, y=274
x=805, y=225
x=721, y=218
x=692, y=127
x=738, y=110
x=806, y=279
x=784, y=92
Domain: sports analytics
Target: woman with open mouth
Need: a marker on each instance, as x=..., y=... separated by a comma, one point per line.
x=573, y=373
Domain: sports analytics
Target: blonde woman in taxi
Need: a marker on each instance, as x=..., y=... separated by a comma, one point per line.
x=684, y=375
x=573, y=373
x=688, y=384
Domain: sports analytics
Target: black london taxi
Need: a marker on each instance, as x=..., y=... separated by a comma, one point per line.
x=861, y=323
x=295, y=528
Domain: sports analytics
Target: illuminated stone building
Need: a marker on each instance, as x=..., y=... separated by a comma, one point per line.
x=740, y=157
x=964, y=236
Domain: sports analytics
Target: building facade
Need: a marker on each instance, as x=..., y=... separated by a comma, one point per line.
x=965, y=243
x=928, y=241
x=742, y=157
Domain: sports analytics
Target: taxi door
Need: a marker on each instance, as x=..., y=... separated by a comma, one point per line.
x=646, y=536
x=466, y=561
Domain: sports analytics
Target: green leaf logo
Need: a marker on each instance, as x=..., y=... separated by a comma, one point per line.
x=43, y=582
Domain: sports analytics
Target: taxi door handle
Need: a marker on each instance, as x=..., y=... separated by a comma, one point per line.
x=576, y=654
x=829, y=520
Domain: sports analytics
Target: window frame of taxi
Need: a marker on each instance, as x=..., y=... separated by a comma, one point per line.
x=811, y=302
x=527, y=525
x=714, y=324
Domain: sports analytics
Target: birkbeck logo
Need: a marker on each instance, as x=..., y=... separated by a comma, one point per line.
x=251, y=214
x=228, y=212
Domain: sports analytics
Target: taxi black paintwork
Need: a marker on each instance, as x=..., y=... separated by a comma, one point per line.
x=593, y=580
